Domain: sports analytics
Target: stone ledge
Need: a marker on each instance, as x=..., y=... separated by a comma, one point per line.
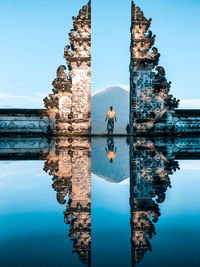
x=190, y=112
x=20, y=111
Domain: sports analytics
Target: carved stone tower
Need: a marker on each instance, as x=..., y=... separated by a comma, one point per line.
x=69, y=107
x=151, y=107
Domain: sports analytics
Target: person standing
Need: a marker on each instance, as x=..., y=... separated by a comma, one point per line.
x=110, y=117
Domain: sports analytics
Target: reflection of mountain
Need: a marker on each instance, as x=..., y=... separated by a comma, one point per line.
x=68, y=160
x=101, y=102
x=101, y=166
x=151, y=163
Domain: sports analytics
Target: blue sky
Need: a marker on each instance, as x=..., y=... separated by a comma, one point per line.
x=34, y=33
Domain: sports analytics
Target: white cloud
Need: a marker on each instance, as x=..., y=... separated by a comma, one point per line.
x=8, y=86
x=6, y=106
x=29, y=98
x=38, y=97
x=7, y=173
x=190, y=165
x=190, y=104
x=43, y=94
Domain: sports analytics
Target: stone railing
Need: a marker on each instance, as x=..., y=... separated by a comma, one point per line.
x=25, y=121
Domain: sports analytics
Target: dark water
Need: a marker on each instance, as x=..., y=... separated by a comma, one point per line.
x=63, y=203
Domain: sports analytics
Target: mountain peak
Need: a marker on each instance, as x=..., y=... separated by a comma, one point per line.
x=112, y=89
x=114, y=96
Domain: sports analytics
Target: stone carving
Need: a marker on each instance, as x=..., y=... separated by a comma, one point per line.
x=69, y=162
x=69, y=107
x=62, y=91
x=151, y=107
x=150, y=167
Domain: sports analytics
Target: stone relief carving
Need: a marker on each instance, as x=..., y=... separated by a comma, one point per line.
x=151, y=106
x=69, y=107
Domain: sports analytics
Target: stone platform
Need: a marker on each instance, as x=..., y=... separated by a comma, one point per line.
x=24, y=122
x=36, y=122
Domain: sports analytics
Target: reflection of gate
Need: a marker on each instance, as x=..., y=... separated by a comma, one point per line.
x=151, y=163
x=68, y=161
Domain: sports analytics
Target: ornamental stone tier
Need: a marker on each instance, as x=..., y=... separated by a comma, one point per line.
x=153, y=110
x=69, y=107
x=151, y=105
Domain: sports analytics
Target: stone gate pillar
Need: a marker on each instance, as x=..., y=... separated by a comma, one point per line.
x=151, y=107
x=69, y=107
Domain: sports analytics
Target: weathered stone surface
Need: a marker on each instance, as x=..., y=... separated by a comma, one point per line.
x=151, y=106
x=25, y=121
x=69, y=107
x=152, y=109
x=186, y=122
x=24, y=148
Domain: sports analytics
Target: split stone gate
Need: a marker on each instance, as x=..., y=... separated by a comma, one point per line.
x=153, y=111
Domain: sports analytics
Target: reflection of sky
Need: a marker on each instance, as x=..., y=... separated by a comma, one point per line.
x=32, y=227
x=110, y=223
x=33, y=231
x=178, y=229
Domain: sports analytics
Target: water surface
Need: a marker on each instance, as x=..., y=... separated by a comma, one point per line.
x=100, y=202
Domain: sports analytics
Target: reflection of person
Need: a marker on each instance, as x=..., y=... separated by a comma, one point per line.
x=110, y=117
x=111, y=150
